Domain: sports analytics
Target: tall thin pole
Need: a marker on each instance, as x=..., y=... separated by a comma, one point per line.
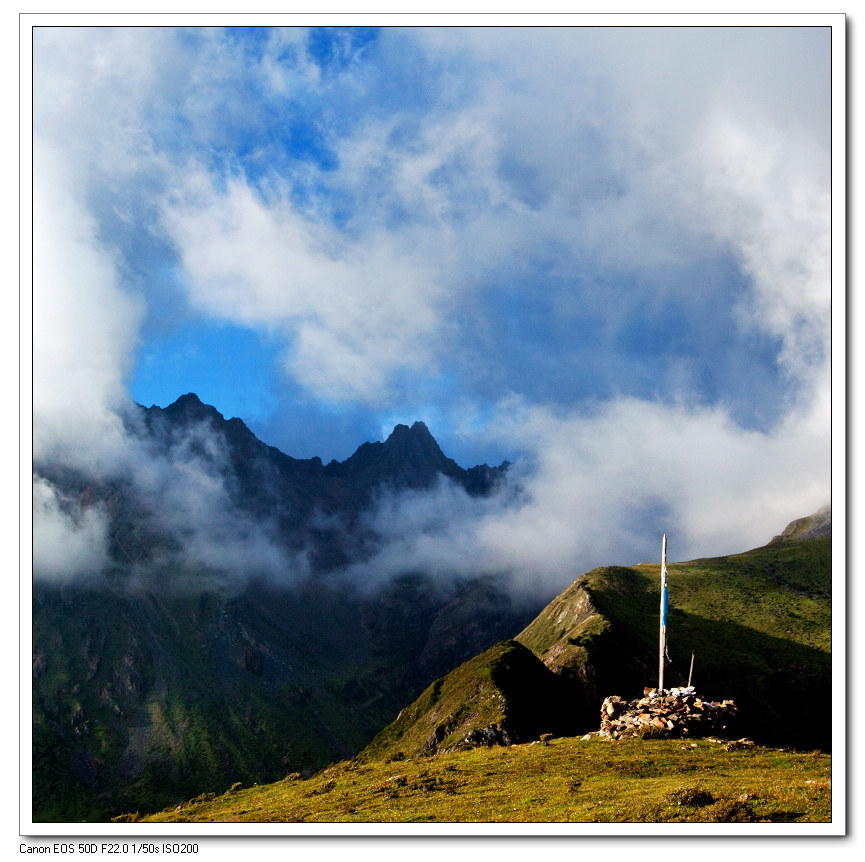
x=662, y=646
x=691, y=671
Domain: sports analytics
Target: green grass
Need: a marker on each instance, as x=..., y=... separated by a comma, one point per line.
x=782, y=590
x=565, y=780
x=758, y=622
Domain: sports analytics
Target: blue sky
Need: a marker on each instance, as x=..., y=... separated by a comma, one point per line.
x=601, y=252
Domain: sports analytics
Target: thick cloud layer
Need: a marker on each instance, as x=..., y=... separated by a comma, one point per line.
x=604, y=253
x=69, y=540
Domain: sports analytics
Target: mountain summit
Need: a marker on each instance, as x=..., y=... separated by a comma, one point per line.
x=190, y=408
x=410, y=457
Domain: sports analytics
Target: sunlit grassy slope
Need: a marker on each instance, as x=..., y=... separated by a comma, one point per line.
x=758, y=623
x=565, y=780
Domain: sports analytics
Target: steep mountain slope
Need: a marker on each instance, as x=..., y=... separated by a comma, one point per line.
x=170, y=673
x=759, y=624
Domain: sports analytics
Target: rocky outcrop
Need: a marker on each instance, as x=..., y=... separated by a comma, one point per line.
x=674, y=712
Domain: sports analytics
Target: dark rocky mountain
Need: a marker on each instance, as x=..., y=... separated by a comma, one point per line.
x=267, y=483
x=409, y=458
x=164, y=676
x=305, y=506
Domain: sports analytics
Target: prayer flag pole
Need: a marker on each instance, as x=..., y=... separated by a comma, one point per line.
x=663, y=636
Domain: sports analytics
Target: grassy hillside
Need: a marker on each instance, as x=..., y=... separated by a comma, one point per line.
x=760, y=625
x=566, y=780
x=758, y=622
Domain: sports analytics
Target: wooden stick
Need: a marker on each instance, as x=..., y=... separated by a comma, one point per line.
x=662, y=645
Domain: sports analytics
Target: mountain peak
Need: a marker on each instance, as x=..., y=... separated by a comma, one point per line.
x=417, y=431
x=409, y=457
x=190, y=408
x=416, y=444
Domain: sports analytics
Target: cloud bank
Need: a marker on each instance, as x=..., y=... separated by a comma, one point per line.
x=604, y=252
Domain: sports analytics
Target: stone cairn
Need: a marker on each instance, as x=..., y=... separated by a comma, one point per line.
x=674, y=712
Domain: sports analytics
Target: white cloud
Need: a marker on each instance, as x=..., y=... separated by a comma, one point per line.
x=591, y=150
x=600, y=488
x=183, y=495
x=725, y=489
x=68, y=541
x=769, y=198
x=85, y=326
x=352, y=313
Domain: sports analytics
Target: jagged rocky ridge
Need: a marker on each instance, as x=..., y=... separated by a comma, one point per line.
x=307, y=507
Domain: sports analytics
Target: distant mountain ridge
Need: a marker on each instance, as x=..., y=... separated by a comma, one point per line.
x=409, y=457
x=159, y=680
x=310, y=507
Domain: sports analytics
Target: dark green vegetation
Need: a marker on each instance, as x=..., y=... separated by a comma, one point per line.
x=565, y=780
x=503, y=696
x=140, y=699
x=759, y=624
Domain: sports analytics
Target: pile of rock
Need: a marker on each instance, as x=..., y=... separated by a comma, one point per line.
x=673, y=712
